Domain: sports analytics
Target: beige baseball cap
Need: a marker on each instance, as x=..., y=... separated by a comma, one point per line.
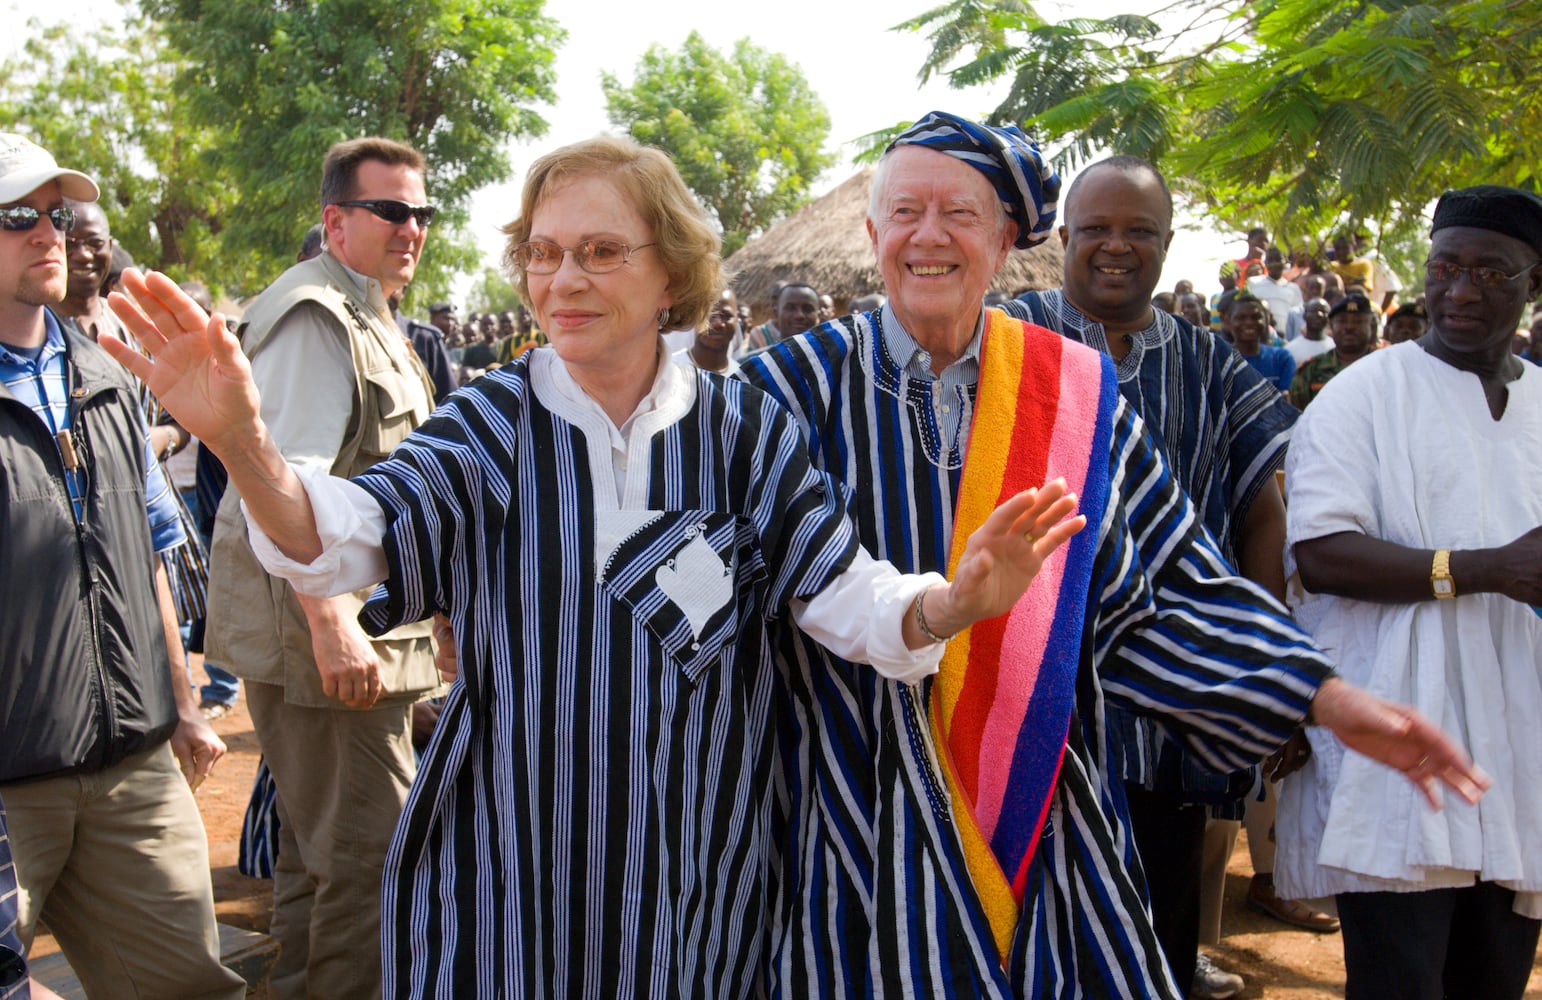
x=25, y=166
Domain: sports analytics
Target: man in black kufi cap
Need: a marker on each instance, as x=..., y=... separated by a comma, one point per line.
x=1414, y=544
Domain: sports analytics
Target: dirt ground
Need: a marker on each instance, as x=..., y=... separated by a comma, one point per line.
x=1277, y=961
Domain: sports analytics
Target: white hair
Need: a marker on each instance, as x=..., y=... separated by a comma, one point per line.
x=881, y=177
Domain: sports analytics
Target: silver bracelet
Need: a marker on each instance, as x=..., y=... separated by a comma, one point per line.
x=926, y=629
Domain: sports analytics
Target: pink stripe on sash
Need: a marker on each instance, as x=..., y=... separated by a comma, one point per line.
x=1028, y=624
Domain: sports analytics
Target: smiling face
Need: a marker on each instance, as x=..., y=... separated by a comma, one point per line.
x=1115, y=237
x=722, y=323
x=88, y=250
x=368, y=244
x=1249, y=326
x=1472, y=325
x=599, y=323
x=32, y=264
x=940, y=235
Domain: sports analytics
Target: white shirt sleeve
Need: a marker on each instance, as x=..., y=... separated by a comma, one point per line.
x=860, y=617
x=352, y=529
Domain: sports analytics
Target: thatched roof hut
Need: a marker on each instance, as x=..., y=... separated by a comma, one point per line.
x=825, y=244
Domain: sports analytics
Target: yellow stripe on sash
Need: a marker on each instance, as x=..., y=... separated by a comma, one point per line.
x=990, y=439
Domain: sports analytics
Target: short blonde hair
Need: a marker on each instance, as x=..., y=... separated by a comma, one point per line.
x=687, y=245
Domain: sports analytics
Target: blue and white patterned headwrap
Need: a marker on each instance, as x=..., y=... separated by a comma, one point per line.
x=1027, y=185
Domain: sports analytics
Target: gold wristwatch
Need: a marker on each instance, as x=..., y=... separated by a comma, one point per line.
x=1442, y=584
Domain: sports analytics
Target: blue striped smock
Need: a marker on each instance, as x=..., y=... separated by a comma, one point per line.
x=874, y=898
x=1222, y=429
x=591, y=817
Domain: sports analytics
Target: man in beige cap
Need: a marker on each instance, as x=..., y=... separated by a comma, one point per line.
x=109, y=848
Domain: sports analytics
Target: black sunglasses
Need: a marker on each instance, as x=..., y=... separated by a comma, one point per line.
x=20, y=218
x=393, y=211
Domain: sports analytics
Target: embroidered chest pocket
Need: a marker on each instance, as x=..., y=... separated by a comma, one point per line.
x=686, y=575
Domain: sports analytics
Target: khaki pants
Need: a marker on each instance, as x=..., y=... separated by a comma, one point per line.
x=342, y=778
x=117, y=864
x=1220, y=840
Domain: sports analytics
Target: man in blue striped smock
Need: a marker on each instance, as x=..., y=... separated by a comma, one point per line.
x=1222, y=430
x=876, y=895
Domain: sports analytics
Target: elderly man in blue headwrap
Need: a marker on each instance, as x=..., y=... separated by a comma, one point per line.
x=964, y=836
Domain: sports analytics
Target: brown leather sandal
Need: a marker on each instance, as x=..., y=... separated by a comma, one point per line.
x=1261, y=897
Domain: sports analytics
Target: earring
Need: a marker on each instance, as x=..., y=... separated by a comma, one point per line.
x=663, y=319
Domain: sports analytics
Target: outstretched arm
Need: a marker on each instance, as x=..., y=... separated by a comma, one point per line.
x=197, y=371
x=1399, y=737
x=1000, y=561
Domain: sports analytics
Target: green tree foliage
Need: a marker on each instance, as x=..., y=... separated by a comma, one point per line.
x=280, y=81
x=492, y=293
x=105, y=102
x=1303, y=115
x=745, y=130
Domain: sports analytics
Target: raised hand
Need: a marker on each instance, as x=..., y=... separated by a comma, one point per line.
x=1003, y=556
x=1399, y=737
x=196, y=368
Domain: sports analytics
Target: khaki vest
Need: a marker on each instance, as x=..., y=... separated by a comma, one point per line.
x=256, y=626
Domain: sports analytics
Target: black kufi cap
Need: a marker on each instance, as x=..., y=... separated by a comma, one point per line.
x=1507, y=210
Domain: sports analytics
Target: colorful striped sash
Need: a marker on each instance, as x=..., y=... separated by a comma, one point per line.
x=1003, y=699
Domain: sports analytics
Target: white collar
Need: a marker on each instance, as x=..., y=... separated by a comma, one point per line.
x=612, y=448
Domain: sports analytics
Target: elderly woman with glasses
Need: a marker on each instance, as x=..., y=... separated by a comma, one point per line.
x=615, y=538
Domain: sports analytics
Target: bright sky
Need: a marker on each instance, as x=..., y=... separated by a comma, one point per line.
x=865, y=74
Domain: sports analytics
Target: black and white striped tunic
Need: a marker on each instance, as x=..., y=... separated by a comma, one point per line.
x=591, y=818
x=875, y=899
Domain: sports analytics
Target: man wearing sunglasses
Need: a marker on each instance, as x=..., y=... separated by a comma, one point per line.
x=108, y=845
x=331, y=707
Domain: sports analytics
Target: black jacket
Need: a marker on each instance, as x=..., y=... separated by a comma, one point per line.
x=428, y=343
x=83, y=669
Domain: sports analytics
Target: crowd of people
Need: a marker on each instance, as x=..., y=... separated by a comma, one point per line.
x=938, y=648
